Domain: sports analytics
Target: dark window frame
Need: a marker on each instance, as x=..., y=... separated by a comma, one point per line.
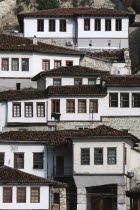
x=95, y=160
x=89, y=79
x=7, y=66
x=70, y=107
x=25, y=67
x=2, y=153
x=57, y=79
x=78, y=79
x=86, y=156
x=42, y=160
x=108, y=161
x=16, y=104
x=56, y=200
x=135, y=103
x=118, y=24
x=21, y=188
x=21, y=165
x=52, y=25
x=31, y=195
x=113, y=100
x=63, y=25
x=40, y=104
x=40, y=25
x=25, y=105
x=55, y=108
x=69, y=61
x=45, y=67
x=87, y=24
x=98, y=24
x=17, y=59
x=95, y=109
x=85, y=108
x=123, y=101
x=108, y=24
x=56, y=66
x=11, y=191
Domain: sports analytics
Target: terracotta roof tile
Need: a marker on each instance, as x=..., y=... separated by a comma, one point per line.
x=71, y=71
x=14, y=43
x=10, y=175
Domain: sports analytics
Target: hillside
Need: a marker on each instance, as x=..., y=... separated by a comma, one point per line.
x=10, y=8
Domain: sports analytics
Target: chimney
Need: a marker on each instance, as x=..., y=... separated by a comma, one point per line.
x=35, y=40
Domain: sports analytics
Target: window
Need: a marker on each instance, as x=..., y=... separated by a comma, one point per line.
x=19, y=160
x=78, y=81
x=111, y=156
x=52, y=25
x=70, y=106
x=87, y=24
x=7, y=195
x=93, y=106
x=62, y=25
x=92, y=81
x=18, y=86
x=57, y=64
x=82, y=128
x=28, y=109
x=16, y=109
x=5, y=64
x=81, y=106
x=136, y=100
x=25, y=64
x=97, y=24
x=56, y=198
x=38, y=160
x=40, y=109
x=1, y=159
x=35, y=195
x=108, y=24
x=46, y=65
x=57, y=82
x=113, y=100
x=98, y=156
x=69, y=63
x=118, y=24
x=40, y=25
x=85, y=156
x=15, y=64
x=55, y=106
x=21, y=194
x=124, y=100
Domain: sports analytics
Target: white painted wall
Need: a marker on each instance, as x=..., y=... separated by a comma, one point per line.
x=28, y=150
x=44, y=198
x=103, y=34
x=35, y=62
x=3, y=114
x=30, y=28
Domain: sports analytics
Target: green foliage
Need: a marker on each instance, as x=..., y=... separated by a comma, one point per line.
x=47, y=4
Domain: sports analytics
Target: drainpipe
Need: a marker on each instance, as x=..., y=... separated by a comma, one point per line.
x=76, y=31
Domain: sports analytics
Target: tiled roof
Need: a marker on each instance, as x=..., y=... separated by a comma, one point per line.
x=134, y=192
x=136, y=24
x=107, y=54
x=61, y=137
x=83, y=90
x=71, y=71
x=14, y=43
x=125, y=80
x=71, y=12
x=10, y=175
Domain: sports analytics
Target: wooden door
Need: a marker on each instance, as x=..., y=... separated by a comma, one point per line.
x=59, y=165
x=101, y=204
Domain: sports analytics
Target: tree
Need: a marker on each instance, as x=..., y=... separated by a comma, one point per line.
x=47, y=4
x=135, y=4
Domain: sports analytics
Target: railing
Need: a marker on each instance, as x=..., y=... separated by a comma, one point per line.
x=60, y=171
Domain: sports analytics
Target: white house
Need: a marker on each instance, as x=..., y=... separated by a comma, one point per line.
x=21, y=59
x=20, y=190
x=85, y=27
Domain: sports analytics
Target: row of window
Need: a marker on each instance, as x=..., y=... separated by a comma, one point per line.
x=108, y=24
x=21, y=195
x=77, y=81
x=98, y=156
x=70, y=107
x=57, y=64
x=124, y=100
x=15, y=64
x=63, y=26
x=19, y=160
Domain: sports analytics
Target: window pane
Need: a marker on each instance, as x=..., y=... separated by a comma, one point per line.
x=62, y=25
x=17, y=110
x=35, y=195
x=112, y=156
x=38, y=160
x=97, y=24
x=69, y=63
x=70, y=106
x=52, y=25
x=40, y=109
x=113, y=100
x=57, y=64
x=136, y=99
x=25, y=64
x=40, y=25
x=15, y=64
x=5, y=64
x=98, y=156
x=93, y=106
x=7, y=195
x=119, y=25
x=108, y=25
x=21, y=195
x=45, y=65
x=87, y=24
x=78, y=81
x=55, y=106
x=57, y=82
x=82, y=106
x=1, y=159
x=124, y=99
x=85, y=156
x=19, y=160
x=29, y=110
x=56, y=198
x=92, y=81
